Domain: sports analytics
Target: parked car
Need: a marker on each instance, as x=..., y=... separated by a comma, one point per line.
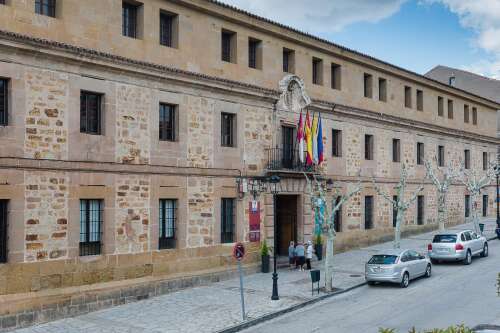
x=457, y=246
x=397, y=266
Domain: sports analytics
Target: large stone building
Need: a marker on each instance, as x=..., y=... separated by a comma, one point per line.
x=127, y=127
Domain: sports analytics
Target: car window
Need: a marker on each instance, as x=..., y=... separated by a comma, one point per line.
x=467, y=236
x=462, y=237
x=382, y=259
x=445, y=239
x=473, y=235
x=406, y=257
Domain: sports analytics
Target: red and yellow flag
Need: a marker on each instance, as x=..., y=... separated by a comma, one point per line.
x=309, y=143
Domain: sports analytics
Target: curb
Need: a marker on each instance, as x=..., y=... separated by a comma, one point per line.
x=269, y=316
x=484, y=327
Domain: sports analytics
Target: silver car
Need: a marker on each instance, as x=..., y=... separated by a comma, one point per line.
x=397, y=266
x=457, y=246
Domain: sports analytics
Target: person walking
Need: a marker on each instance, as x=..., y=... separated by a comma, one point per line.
x=291, y=254
x=300, y=256
x=309, y=255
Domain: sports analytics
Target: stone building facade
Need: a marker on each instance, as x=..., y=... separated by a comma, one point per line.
x=54, y=172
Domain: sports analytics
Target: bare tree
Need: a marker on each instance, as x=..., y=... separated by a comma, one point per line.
x=400, y=204
x=442, y=187
x=327, y=219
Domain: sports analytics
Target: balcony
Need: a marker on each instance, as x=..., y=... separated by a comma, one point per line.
x=287, y=160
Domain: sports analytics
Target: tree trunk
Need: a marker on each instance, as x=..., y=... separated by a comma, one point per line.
x=474, y=213
x=441, y=210
x=329, y=259
x=397, y=230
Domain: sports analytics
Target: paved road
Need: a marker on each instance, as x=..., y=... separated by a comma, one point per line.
x=454, y=294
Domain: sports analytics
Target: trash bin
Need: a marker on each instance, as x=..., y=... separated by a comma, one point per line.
x=315, y=277
x=481, y=227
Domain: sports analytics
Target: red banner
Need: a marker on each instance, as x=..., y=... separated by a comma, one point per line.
x=254, y=219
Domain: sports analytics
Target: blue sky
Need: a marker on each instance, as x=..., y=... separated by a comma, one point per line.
x=414, y=34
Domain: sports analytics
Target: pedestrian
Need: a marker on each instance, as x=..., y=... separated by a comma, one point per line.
x=291, y=254
x=300, y=256
x=309, y=254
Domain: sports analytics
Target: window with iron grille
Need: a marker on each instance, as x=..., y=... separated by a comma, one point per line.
x=420, y=209
x=485, y=160
x=338, y=217
x=227, y=220
x=168, y=29
x=368, y=147
x=129, y=19
x=467, y=205
x=228, y=46
x=90, y=112
x=382, y=90
x=394, y=211
x=228, y=124
x=3, y=230
x=440, y=106
x=420, y=153
x=441, y=156
x=4, y=102
x=420, y=100
x=45, y=7
x=396, y=150
x=317, y=71
x=91, y=214
x=367, y=85
x=254, y=48
x=368, y=212
x=407, y=97
x=168, y=222
x=288, y=60
x=474, y=116
x=466, y=113
x=167, y=119
x=336, y=77
x=450, y=109
x=336, y=143
x=485, y=205
x=467, y=158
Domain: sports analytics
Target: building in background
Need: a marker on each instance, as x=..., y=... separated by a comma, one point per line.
x=128, y=126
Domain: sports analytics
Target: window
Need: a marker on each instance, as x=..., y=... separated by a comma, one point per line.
x=338, y=217
x=368, y=147
x=90, y=227
x=4, y=102
x=254, y=53
x=368, y=212
x=288, y=61
x=450, y=109
x=382, y=90
x=167, y=222
x=440, y=106
x=45, y=7
x=168, y=122
x=288, y=135
x=336, y=77
x=2, y=2
x=420, y=209
x=485, y=160
x=168, y=29
x=396, y=150
x=467, y=158
x=485, y=205
x=420, y=100
x=407, y=97
x=228, y=47
x=227, y=220
x=90, y=112
x=394, y=211
x=228, y=128
x=441, y=156
x=474, y=116
x=367, y=85
x=467, y=205
x=466, y=113
x=3, y=230
x=129, y=19
x=336, y=143
x=420, y=153
x=317, y=71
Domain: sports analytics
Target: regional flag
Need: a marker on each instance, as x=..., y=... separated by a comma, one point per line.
x=321, y=157
x=314, y=134
x=300, y=138
x=308, y=136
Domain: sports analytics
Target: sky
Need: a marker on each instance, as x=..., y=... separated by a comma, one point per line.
x=414, y=34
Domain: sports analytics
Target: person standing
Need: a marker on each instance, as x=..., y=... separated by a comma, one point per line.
x=291, y=254
x=300, y=256
x=309, y=254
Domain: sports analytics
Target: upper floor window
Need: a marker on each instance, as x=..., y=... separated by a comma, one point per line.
x=440, y=106
x=367, y=85
x=130, y=11
x=45, y=7
x=450, y=109
x=420, y=100
x=474, y=116
x=228, y=129
x=396, y=150
x=407, y=97
x=168, y=29
x=3, y=230
x=382, y=90
x=336, y=77
x=467, y=158
x=168, y=122
x=228, y=46
x=317, y=71
x=420, y=153
x=336, y=143
x=485, y=160
x=368, y=147
x=466, y=113
x=441, y=156
x=254, y=53
x=91, y=215
x=90, y=112
x=2, y=2
x=288, y=60
x=4, y=102
x=167, y=222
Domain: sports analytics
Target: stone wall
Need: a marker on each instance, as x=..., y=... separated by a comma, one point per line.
x=201, y=212
x=201, y=132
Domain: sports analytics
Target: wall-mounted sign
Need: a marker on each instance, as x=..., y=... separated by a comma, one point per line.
x=254, y=220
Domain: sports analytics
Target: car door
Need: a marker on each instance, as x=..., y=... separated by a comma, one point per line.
x=410, y=262
x=419, y=263
x=469, y=244
x=476, y=243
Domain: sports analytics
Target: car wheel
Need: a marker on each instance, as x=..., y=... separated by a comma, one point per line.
x=406, y=280
x=485, y=250
x=468, y=258
x=428, y=271
x=434, y=261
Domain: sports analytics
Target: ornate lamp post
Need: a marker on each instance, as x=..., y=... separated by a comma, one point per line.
x=274, y=189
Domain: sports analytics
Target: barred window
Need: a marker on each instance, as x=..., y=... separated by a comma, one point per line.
x=129, y=19
x=254, y=53
x=167, y=122
x=396, y=150
x=288, y=61
x=441, y=156
x=467, y=158
x=227, y=220
x=420, y=153
x=228, y=128
x=317, y=71
x=168, y=29
x=4, y=101
x=485, y=161
x=91, y=214
x=368, y=212
x=45, y=7
x=168, y=221
x=3, y=230
x=90, y=112
x=336, y=143
x=228, y=46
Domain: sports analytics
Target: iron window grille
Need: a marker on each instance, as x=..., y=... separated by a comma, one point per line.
x=3, y=230
x=336, y=143
x=467, y=158
x=129, y=19
x=4, y=101
x=167, y=125
x=368, y=212
x=90, y=112
x=485, y=160
x=91, y=213
x=226, y=45
x=167, y=29
x=45, y=7
x=441, y=156
x=467, y=205
x=420, y=210
x=227, y=129
x=227, y=220
x=168, y=222
x=485, y=205
x=420, y=153
x=396, y=150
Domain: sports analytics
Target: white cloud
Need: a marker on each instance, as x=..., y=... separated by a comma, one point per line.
x=320, y=16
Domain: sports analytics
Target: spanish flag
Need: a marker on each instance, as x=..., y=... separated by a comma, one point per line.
x=314, y=134
x=309, y=143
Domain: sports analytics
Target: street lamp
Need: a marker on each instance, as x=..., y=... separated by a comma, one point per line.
x=274, y=189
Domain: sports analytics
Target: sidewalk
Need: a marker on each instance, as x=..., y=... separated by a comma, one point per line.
x=217, y=307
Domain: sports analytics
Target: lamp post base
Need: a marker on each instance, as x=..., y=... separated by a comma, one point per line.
x=275, y=295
